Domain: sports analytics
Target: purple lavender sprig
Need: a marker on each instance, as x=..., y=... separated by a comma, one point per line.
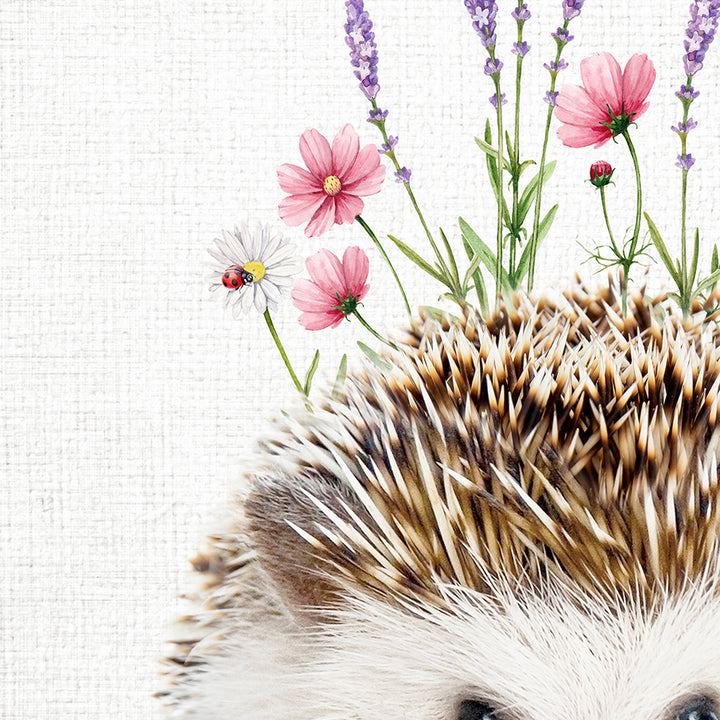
x=571, y=9
x=699, y=34
x=483, y=14
x=363, y=52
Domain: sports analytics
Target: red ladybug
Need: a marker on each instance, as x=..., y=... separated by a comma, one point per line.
x=232, y=278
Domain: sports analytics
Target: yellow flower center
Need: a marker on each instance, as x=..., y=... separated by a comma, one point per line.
x=256, y=269
x=332, y=185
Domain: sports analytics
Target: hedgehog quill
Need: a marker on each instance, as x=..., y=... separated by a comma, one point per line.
x=509, y=509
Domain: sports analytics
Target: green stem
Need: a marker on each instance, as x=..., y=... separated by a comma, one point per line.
x=368, y=327
x=385, y=257
x=685, y=291
x=280, y=347
x=638, y=200
x=514, y=240
x=605, y=213
x=541, y=170
x=394, y=160
x=499, y=239
x=630, y=257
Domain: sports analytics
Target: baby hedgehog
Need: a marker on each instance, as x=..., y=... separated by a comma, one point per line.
x=518, y=519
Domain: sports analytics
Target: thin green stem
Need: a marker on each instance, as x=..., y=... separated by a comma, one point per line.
x=605, y=213
x=385, y=257
x=541, y=170
x=515, y=238
x=684, y=290
x=499, y=239
x=374, y=332
x=394, y=160
x=638, y=200
x=280, y=347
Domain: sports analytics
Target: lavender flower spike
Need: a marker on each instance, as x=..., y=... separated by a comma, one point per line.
x=572, y=8
x=483, y=14
x=403, y=175
x=363, y=52
x=700, y=33
x=685, y=161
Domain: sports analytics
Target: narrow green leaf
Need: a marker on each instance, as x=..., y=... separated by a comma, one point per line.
x=528, y=196
x=491, y=151
x=486, y=254
x=493, y=175
x=340, y=378
x=311, y=372
x=709, y=282
x=663, y=251
x=439, y=314
x=714, y=262
x=543, y=229
x=451, y=257
x=510, y=150
x=694, y=261
x=375, y=357
x=422, y=264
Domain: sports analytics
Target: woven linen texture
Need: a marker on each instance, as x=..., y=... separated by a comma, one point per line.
x=132, y=134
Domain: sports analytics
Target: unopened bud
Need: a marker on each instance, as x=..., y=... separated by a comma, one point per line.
x=600, y=173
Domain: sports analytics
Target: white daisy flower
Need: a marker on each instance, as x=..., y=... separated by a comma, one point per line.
x=253, y=268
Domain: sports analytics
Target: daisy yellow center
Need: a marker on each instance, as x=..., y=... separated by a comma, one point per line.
x=256, y=269
x=332, y=185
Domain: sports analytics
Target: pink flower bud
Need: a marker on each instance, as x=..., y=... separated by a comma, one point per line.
x=600, y=173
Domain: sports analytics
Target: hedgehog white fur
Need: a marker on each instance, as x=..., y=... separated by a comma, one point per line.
x=519, y=521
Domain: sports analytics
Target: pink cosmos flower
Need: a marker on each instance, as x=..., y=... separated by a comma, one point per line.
x=334, y=290
x=329, y=191
x=583, y=110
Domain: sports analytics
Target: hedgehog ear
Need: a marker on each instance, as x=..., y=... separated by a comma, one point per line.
x=282, y=515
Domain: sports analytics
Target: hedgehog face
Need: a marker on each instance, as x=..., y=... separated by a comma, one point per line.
x=521, y=521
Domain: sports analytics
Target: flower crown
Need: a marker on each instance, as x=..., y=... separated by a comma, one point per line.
x=256, y=269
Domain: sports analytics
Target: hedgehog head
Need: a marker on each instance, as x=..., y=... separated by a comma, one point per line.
x=518, y=521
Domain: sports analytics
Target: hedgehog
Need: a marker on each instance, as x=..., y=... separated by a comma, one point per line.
x=517, y=519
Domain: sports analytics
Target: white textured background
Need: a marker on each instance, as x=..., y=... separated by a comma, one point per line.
x=132, y=133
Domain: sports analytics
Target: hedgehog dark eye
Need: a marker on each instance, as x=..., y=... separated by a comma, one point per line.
x=478, y=710
x=699, y=709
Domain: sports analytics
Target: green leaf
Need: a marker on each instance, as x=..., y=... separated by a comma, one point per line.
x=311, y=372
x=714, y=263
x=543, y=229
x=709, y=282
x=439, y=314
x=451, y=257
x=493, y=175
x=375, y=357
x=489, y=150
x=422, y=264
x=528, y=196
x=486, y=254
x=340, y=378
x=694, y=261
x=663, y=251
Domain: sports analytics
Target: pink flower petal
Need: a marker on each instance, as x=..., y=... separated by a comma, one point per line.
x=367, y=160
x=578, y=136
x=307, y=296
x=320, y=321
x=316, y=153
x=347, y=207
x=602, y=78
x=356, y=267
x=638, y=79
x=345, y=149
x=368, y=185
x=296, y=209
x=323, y=218
x=326, y=271
x=574, y=106
x=294, y=179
